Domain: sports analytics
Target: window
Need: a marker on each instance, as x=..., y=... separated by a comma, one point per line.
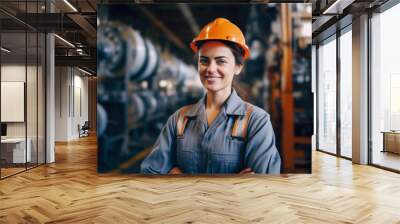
x=327, y=96
x=346, y=93
x=385, y=88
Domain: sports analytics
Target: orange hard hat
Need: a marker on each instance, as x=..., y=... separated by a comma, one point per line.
x=222, y=29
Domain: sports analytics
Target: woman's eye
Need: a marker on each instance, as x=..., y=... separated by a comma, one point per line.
x=221, y=62
x=203, y=62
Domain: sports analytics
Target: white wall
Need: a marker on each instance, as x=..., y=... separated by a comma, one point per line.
x=33, y=127
x=71, y=94
x=12, y=73
x=61, y=103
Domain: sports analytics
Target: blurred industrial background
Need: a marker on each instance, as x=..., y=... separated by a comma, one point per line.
x=146, y=71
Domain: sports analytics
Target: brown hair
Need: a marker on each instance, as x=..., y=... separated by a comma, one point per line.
x=236, y=50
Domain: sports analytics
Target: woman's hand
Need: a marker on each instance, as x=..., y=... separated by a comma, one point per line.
x=175, y=170
x=247, y=171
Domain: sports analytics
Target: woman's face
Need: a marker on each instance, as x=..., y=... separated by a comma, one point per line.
x=216, y=65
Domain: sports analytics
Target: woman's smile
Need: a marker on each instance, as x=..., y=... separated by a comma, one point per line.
x=212, y=78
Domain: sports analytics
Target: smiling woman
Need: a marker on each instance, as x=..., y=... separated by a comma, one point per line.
x=221, y=133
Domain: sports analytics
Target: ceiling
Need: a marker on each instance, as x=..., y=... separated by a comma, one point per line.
x=331, y=15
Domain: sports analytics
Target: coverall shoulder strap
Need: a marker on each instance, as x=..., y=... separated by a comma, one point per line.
x=182, y=120
x=239, y=128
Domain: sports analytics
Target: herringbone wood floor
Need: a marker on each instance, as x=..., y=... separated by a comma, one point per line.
x=71, y=191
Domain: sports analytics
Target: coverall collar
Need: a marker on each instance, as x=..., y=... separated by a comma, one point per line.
x=234, y=105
